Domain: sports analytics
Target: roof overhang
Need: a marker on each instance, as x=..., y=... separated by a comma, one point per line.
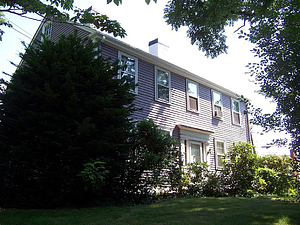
x=192, y=133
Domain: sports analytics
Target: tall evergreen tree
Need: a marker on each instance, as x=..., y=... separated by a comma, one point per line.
x=62, y=109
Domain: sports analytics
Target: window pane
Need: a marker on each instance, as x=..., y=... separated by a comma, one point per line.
x=220, y=148
x=129, y=78
x=235, y=106
x=220, y=160
x=193, y=103
x=129, y=64
x=236, y=118
x=217, y=98
x=217, y=108
x=163, y=92
x=163, y=78
x=193, y=89
x=195, y=153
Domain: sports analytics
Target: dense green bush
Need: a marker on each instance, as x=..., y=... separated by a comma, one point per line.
x=214, y=185
x=239, y=168
x=196, y=174
x=275, y=175
x=154, y=162
x=244, y=174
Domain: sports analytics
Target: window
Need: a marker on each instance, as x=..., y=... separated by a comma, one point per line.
x=195, y=152
x=162, y=85
x=194, y=144
x=235, y=107
x=46, y=30
x=129, y=70
x=192, y=95
x=217, y=104
x=220, y=153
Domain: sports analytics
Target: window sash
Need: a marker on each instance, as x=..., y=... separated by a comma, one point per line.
x=217, y=98
x=129, y=70
x=192, y=95
x=236, y=116
x=220, y=153
x=217, y=104
x=46, y=30
x=162, y=86
x=193, y=103
x=195, y=152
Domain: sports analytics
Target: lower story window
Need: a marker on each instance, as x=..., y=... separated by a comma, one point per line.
x=194, y=152
x=220, y=153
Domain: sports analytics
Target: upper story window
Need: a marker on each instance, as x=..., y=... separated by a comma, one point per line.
x=162, y=85
x=236, y=115
x=217, y=104
x=46, y=30
x=220, y=153
x=192, y=95
x=129, y=70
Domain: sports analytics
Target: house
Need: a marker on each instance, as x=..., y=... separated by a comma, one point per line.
x=205, y=117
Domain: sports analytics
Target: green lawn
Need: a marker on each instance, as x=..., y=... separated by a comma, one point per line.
x=173, y=211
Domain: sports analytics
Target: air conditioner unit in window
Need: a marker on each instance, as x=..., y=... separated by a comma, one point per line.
x=218, y=114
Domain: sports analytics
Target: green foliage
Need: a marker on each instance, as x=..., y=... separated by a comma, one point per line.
x=61, y=109
x=117, y=2
x=239, y=169
x=93, y=175
x=244, y=174
x=154, y=161
x=196, y=174
x=214, y=185
x=277, y=73
x=267, y=182
x=198, y=181
x=275, y=175
x=53, y=9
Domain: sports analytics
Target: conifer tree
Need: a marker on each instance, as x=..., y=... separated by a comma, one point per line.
x=62, y=109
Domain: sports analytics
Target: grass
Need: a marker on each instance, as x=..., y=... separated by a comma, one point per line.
x=172, y=211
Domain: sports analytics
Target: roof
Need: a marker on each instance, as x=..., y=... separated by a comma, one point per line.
x=146, y=56
x=114, y=42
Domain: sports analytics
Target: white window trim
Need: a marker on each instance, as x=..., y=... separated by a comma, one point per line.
x=186, y=151
x=218, y=167
x=120, y=54
x=46, y=24
x=232, y=111
x=156, y=89
x=217, y=115
x=187, y=96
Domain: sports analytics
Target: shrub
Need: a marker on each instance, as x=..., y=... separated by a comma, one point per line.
x=196, y=174
x=275, y=175
x=154, y=162
x=239, y=169
x=214, y=185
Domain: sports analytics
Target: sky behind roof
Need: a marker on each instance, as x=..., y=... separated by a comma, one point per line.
x=144, y=23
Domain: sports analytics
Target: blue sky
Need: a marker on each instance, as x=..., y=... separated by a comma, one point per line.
x=144, y=23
